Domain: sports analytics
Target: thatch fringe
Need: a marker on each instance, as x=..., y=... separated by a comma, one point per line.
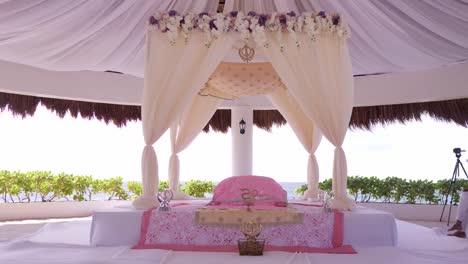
x=264, y=119
x=366, y=117
x=19, y=105
x=220, y=122
x=24, y=105
x=362, y=117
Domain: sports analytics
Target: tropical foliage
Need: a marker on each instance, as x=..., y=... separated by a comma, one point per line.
x=44, y=186
x=396, y=190
x=198, y=188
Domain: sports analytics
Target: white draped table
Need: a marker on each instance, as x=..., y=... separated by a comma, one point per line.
x=363, y=227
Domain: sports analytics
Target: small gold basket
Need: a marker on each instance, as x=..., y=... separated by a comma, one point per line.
x=250, y=245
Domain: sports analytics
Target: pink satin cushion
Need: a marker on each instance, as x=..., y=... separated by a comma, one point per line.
x=269, y=191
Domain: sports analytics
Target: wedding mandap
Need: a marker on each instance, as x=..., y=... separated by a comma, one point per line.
x=319, y=66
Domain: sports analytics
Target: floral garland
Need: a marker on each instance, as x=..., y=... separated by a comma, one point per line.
x=250, y=26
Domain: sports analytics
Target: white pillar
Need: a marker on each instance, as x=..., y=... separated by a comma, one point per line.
x=242, y=143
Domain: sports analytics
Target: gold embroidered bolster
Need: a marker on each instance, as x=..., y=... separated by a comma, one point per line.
x=236, y=217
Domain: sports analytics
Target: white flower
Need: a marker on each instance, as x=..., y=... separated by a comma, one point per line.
x=299, y=24
x=259, y=36
x=273, y=23
x=157, y=15
x=188, y=23
x=219, y=24
x=204, y=23
x=244, y=29
x=290, y=25
x=238, y=25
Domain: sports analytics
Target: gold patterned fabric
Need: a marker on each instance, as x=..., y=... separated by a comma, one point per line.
x=236, y=217
x=234, y=80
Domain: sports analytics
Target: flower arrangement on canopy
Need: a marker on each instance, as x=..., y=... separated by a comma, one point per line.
x=250, y=26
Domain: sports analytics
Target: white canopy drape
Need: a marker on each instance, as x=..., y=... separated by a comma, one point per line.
x=306, y=132
x=314, y=66
x=318, y=75
x=184, y=132
x=173, y=76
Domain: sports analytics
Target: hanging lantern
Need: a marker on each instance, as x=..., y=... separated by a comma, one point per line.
x=242, y=126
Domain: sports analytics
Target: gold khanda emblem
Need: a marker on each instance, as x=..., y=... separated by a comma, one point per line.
x=248, y=197
x=251, y=230
x=246, y=53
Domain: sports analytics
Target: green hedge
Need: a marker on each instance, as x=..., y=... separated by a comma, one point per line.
x=44, y=186
x=395, y=190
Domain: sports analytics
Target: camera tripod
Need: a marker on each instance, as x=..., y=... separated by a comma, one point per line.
x=453, y=181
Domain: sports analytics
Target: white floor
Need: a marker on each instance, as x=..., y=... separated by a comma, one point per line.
x=67, y=242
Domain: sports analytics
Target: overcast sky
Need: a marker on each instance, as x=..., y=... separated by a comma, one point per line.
x=418, y=150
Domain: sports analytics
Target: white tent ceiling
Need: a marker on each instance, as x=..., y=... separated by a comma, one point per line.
x=418, y=42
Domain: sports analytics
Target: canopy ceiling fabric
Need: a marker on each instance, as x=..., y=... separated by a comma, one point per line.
x=73, y=35
x=99, y=35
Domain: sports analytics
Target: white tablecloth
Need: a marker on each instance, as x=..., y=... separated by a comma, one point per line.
x=363, y=227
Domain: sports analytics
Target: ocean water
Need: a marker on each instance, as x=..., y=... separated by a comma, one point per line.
x=289, y=187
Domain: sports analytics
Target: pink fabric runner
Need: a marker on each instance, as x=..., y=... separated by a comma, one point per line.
x=175, y=230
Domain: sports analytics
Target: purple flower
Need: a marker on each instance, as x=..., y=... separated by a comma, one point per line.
x=172, y=13
x=336, y=19
x=203, y=14
x=212, y=24
x=153, y=20
x=233, y=13
x=252, y=13
x=262, y=20
x=291, y=14
x=322, y=14
x=282, y=20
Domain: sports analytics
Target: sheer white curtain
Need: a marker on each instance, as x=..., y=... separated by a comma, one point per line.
x=308, y=134
x=173, y=76
x=184, y=132
x=319, y=76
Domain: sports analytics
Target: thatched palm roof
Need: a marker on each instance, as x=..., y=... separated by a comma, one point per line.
x=363, y=117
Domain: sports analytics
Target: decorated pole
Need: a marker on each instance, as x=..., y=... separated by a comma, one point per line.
x=242, y=138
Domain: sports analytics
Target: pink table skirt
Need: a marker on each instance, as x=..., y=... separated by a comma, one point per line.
x=176, y=230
